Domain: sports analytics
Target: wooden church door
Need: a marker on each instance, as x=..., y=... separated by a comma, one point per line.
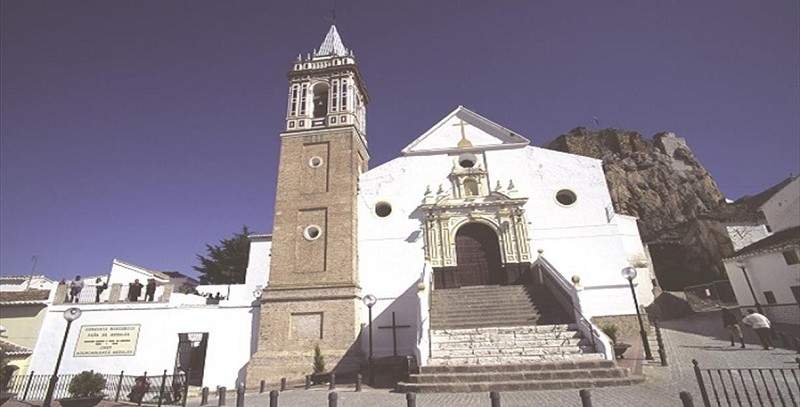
x=477, y=256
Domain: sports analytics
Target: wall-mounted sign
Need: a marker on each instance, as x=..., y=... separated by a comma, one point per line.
x=107, y=340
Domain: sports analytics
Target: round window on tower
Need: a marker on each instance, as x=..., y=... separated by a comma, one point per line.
x=467, y=160
x=315, y=162
x=312, y=232
x=566, y=197
x=383, y=209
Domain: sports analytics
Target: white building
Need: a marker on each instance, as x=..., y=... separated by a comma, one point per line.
x=767, y=271
x=210, y=340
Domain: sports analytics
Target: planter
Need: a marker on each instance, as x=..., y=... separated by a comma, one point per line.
x=619, y=350
x=4, y=396
x=81, y=401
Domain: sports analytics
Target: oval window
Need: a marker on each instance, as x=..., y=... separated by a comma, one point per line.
x=315, y=162
x=312, y=232
x=383, y=209
x=566, y=197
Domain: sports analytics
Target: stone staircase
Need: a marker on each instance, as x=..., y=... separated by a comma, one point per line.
x=482, y=306
x=508, y=338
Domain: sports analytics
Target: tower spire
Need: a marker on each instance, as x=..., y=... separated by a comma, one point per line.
x=332, y=44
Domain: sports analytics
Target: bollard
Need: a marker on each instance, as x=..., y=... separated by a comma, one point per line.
x=333, y=382
x=119, y=386
x=273, y=398
x=161, y=388
x=686, y=399
x=204, y=396
x=240, y=395
x=333, y=399
x=358, y=382
x=262, y=386
x=494, y=397
x=28, y=386
x=411, y=399
x=308, y=382
x=586, y=398
x=221, y=395
x=283, y=384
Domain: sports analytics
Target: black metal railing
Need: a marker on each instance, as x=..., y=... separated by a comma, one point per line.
x=161, y=389
x=748, y=386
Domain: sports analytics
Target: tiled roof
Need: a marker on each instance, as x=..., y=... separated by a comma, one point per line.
x=332, y=44
x=12, y=349
x=24, y=296
x=777, y=240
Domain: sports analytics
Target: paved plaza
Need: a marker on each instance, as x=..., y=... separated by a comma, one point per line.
x=698, y=337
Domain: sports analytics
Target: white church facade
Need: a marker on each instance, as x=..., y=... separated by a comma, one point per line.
x=471, y=227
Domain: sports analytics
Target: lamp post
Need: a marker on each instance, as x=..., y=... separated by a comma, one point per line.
x=750, y=286
x=71, y=314
x=369, y=301
x=630, y=273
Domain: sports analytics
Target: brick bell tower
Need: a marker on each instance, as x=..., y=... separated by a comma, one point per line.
x=313, y=295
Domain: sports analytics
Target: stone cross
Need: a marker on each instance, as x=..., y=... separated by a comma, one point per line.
x=394, y=327
x=462, y=124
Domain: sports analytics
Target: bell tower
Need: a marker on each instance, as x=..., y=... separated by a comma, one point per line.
x=313, y=295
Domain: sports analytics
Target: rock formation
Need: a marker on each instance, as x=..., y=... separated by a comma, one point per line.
x=682, y=213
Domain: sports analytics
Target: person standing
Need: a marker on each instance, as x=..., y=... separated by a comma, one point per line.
x=731, y=323
x=761, y=325
x=75, y=288
x=150, y=290
x=99, y=287
x=134, y=290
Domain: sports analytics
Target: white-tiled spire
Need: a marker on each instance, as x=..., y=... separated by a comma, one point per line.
x=332, y=44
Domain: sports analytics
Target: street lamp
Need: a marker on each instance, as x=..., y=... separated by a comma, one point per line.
x=750, y=286
x=369, y=301
x=71, y=314
x=630, y=273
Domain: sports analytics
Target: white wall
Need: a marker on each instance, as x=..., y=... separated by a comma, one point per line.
x=767, y=272
x=745, y=235
x=230, y=341
x=782, y=210
x=259, y=260
x=577, y=240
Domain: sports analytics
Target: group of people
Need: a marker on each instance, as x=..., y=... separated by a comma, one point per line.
x=76, y=286
x=134, y=289
x=758, y=322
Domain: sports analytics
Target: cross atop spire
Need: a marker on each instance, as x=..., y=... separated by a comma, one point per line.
x=332, y=44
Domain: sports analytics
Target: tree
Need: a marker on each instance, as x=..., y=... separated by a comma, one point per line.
x=227, y=261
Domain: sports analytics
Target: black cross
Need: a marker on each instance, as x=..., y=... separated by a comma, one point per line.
x=394, y=327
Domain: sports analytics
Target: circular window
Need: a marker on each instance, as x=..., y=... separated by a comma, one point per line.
x=312, y=232
x=383, y=209
x=315, y=162
x=467, y=160
x=566, y=197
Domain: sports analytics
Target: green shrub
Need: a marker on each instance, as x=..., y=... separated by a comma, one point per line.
x=87, y=385
x=611, y=331
x=319, y=361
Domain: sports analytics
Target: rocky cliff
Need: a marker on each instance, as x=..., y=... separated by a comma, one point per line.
x=682, y=213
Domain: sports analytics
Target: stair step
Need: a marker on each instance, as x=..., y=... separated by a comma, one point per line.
x=506, y=344
x=527, y=367
x=503, y=376
x=516, y=385
x=512, y=359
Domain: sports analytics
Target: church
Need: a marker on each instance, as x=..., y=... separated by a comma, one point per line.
x=472, y=248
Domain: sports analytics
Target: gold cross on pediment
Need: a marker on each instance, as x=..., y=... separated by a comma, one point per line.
x=463, y=143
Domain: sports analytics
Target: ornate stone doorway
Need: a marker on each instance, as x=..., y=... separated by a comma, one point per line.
x=477, y=256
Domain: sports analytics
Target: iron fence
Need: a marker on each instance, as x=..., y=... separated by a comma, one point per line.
x=748, y=386
x=137, y=389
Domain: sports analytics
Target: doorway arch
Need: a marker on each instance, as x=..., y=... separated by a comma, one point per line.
x=478, y=260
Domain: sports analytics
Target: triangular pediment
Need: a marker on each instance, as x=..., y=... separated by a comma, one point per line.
x=480, y=134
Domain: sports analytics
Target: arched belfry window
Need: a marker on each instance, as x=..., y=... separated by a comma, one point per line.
x=320, y=91
x=470, y=187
